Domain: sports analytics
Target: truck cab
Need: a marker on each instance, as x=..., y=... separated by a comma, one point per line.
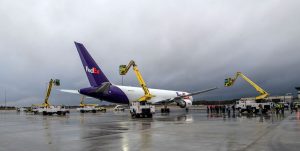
x=141, y=109
x=252, y=105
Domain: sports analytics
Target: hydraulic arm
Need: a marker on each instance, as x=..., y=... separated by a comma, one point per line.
x=82, y=102
x=52, y=82
x=230, y=81
x=124, y=69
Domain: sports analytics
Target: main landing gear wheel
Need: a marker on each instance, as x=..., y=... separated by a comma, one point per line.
x=165, y=110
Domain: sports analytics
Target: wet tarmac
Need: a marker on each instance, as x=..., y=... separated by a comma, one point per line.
x=178, y=130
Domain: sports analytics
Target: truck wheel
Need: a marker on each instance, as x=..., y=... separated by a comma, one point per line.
x=58, y=113
x=50, y=113
x=44, y=113
x=94, y=111
x=149, y=116
x=81, y=111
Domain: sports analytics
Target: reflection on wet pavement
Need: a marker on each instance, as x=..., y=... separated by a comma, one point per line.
x=178, y=130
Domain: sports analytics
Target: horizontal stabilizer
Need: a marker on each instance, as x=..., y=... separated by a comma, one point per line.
x=69, y=91
x=104, y=88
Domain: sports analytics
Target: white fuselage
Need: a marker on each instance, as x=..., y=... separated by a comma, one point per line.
x=134, y=93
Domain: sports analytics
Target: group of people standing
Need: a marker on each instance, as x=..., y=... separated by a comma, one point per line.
x=294, y=107
x=279, y=108
x=220, y=109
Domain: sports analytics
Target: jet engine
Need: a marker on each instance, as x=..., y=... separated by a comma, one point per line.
x=184, y=103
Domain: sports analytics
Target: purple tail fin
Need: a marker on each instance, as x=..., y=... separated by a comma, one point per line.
x=93, y=72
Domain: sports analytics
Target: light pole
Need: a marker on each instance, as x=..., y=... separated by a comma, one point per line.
x=4, y=99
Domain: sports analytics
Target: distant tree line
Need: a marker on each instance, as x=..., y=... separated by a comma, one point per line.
x=223, y=102
x=7, y=107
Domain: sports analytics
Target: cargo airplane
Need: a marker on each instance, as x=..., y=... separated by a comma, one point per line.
x=101, y=88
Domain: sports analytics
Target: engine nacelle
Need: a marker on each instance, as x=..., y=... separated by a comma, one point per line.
x=184, y=103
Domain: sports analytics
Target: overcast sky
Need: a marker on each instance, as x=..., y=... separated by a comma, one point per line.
x=186, y=45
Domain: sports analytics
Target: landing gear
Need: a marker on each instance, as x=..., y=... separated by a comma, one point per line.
x=165, y=109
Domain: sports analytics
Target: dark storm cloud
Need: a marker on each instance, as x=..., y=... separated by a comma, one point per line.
x=179, y=45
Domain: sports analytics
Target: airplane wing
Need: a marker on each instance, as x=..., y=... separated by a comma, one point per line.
x=182, y=96
x=196, y=93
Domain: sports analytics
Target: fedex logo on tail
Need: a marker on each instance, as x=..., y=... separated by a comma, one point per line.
x=93, y=70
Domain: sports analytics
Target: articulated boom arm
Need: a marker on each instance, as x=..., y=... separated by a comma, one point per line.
x=263, y=94
x=124, y=69
x=82, y=102
x=46, y=103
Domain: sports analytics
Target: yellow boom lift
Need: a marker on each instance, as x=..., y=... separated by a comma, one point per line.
x=82, y=104
x=230, y=81
x=46, y=108
x=55, y=82
x=139, y=108
x=89, y=107
x=124, y=69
